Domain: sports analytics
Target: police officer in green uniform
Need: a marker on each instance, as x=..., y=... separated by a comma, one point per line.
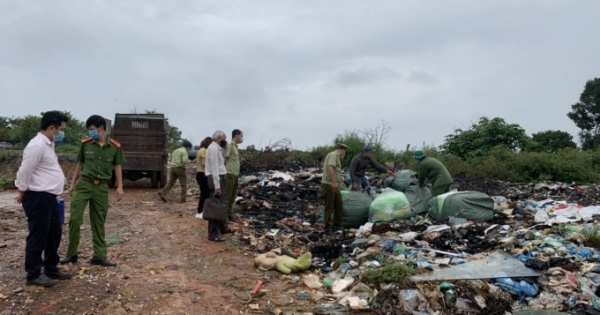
x=433, y=170
x=95, y=160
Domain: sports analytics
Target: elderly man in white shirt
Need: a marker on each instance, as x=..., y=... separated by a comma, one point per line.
x=215, y=173
x=40, y=180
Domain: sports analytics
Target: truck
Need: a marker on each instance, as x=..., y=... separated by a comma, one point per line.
x=144, y=139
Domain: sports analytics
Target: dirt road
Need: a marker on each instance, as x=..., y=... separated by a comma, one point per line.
x=166, y=265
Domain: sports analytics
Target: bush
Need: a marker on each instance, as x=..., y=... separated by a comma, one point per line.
x=67, y=148
x=8, y=156
x=4, y=180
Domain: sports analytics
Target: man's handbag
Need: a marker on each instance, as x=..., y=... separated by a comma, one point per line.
x=214, y=209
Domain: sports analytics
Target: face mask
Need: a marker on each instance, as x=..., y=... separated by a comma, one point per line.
x=94, y=134
x=241, y=140
x=419, y=161
x=223, y=143
x=60, y=137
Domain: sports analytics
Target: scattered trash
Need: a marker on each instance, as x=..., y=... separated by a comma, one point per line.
x=341, y=285
x=114, y=239
x=257, y=286
x=312, y=281
x=493, y=266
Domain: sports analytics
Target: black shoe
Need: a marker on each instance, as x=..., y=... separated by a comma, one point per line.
x=66, y=260
x=59, y=275
x=102, y=262
x=42, y=281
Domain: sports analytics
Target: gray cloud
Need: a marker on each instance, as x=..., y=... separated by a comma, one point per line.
x=423, y=77
x=365, y=75
x=304, y=70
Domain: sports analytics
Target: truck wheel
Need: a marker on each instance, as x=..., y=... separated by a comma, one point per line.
x=154, y=180
x=163, y=179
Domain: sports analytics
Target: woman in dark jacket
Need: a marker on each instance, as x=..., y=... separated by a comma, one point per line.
x=201, y=175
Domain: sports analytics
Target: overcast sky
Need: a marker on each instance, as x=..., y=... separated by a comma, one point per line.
x=306, y=70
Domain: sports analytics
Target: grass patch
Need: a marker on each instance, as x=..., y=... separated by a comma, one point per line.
x=66, y=148
x=390, y=271
x=589, y=237
x=4, y=180
x=8, y=156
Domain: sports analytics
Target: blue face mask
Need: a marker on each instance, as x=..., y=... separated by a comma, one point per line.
x=60, y=137
x=94, y=134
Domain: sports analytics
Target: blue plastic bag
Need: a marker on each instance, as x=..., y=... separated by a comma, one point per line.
x=519, y=288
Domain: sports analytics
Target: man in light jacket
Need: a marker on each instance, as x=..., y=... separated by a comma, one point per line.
x=215, y=172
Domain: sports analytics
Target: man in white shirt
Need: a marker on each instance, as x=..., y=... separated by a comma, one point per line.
x=215, y=172
x=40, y=180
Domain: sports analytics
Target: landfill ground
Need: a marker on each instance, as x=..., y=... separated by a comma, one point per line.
x=530, y=256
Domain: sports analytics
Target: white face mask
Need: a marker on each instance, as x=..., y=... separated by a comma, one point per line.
x=240, y=140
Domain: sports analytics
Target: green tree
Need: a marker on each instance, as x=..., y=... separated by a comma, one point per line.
x=25, y=128
x=552, y=141
x=175, y=138
x=482, y=137
x=5, y=129
x=75, y=130
x=586, y=114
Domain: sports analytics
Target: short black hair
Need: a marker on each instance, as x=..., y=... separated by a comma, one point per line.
x=53, y=118
x=235, y=132
x=186, y=144
x=96, y=121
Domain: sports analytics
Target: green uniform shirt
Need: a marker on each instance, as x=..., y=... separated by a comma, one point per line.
x=333, y=158
x=98, y=161
x=179, y=158
x=435, y=171
x=233, y=159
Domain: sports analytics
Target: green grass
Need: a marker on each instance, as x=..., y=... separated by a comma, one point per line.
x=66, y=148
x=8, y=156
x=390, y=271
x=4, y=180
x=589, y=237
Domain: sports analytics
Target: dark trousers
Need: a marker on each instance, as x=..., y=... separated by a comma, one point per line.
x=204, y=190
x=45, y=233
x=362, y=182
x=217, y=227
x=175, y=174
x=333, y=205
x=231, y=192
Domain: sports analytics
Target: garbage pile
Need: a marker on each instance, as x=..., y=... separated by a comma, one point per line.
x=464, y=252
x=571, y=192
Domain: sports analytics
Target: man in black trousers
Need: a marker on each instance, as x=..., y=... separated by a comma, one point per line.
x=40, y=180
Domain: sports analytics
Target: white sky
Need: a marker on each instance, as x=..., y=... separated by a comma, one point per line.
x=306, y=70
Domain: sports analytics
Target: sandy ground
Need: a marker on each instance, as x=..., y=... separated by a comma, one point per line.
x=166, y=265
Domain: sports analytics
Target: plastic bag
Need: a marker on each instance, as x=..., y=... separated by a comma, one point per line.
x=389, y=206
x=519, y=288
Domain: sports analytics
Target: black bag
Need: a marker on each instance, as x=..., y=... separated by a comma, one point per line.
x=214, y=209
